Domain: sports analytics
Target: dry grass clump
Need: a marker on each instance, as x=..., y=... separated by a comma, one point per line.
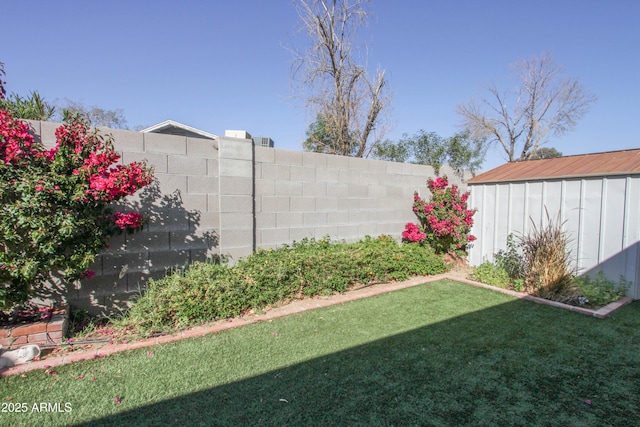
x=548, y=269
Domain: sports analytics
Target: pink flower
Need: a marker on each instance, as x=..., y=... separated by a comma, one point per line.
x=130, y=220
x=412, y=233
x=87, y=274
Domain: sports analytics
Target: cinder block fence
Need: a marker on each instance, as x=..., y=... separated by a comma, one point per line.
x=229, y=197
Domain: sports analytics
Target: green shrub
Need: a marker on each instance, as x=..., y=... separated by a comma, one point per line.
x=207, y=291
x=511, y=259
x=33, y=107
x=599, y=290
x=490, y=274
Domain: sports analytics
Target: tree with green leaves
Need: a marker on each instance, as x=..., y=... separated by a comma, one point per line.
x=321, y=136
x=545, y=153
x=460, y=151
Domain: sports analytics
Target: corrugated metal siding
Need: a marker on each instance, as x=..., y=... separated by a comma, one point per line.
x=600, y=214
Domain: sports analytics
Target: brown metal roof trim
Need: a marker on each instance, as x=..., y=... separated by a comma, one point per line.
x=624, y=162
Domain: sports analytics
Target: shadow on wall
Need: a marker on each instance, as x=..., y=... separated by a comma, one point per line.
x=172, y=237
x=625, y=264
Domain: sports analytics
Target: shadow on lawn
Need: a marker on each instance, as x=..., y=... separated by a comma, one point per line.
x=502, y=365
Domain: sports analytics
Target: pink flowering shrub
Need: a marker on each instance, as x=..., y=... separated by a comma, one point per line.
x=55, y=213
x=444, y=221
x=412, y=233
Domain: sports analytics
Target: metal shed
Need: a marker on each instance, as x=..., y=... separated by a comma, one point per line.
x=597, y=196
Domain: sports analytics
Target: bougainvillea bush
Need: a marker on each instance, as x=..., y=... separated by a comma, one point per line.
x=55, y=212
x=444, y=221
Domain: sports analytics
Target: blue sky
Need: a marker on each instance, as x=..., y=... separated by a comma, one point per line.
x=218, y=65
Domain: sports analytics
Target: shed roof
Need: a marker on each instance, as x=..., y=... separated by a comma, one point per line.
x=624, y=162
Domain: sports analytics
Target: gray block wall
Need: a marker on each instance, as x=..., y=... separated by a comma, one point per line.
x=302, y=194
x=228, y=197
x=182, y=209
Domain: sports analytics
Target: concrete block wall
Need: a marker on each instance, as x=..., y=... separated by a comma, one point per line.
x=228, y=197
x=182, y=208
x=236, y=197
x=302, y=194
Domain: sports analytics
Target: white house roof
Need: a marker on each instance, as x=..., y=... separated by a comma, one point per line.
x=172, y=124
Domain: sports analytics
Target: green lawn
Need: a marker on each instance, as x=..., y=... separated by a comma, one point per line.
x=442, y=353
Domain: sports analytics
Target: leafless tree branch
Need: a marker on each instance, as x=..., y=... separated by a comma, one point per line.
x=544, y=105
x=338, y=89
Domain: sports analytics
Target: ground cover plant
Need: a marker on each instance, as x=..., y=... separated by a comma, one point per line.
x=210, y=291
x=599, y=291
x=443, y=353
x=540, y=264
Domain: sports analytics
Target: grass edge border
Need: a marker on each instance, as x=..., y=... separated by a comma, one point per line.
x=600, y=313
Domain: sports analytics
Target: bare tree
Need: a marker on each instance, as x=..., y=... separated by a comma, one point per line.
x=341, y=95
x=96, y=116
x=544, y=105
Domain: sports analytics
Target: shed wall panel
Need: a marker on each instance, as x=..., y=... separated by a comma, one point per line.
x=503, y=226
x=600, y=214
x=553, y=199
x=571, y=214
x=535, y=209
x=516, y=207
x=489, y=220
x=590, y=233
x=613, y=217
x=633, y=212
